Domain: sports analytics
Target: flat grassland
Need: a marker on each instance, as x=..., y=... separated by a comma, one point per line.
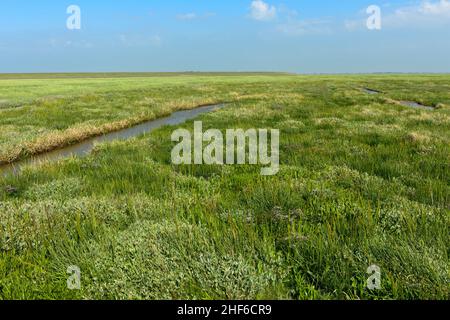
x=363, y=181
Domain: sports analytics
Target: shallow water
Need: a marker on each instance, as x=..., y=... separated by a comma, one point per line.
x=413, y=104
x=85, y=147
x=371, y=91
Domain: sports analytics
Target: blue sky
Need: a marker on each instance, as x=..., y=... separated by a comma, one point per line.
x=303, y=36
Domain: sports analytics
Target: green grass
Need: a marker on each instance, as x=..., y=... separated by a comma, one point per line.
x=363, y=181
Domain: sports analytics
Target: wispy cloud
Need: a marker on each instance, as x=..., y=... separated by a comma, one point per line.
x=194, y=16
x=423, y=14
x=60, y=43
x=297, y=27
x=262, y=11
x=427, y=13
x=293, y=25
x=187, y=16
x=288, y=21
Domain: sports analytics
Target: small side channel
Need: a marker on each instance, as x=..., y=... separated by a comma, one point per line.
x=371, y=91
x=411, y=104
x=416, y=105
x=85, y=147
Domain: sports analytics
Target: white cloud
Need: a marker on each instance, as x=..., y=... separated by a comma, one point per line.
x=262, y=11
x=424, y=14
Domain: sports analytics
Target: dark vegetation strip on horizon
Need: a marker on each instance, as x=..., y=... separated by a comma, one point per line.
x=145, y=74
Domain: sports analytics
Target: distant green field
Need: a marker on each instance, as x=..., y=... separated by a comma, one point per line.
x=363, y=181
x=110, y=75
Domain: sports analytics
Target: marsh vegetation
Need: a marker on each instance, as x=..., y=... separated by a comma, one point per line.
x=362, y=181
